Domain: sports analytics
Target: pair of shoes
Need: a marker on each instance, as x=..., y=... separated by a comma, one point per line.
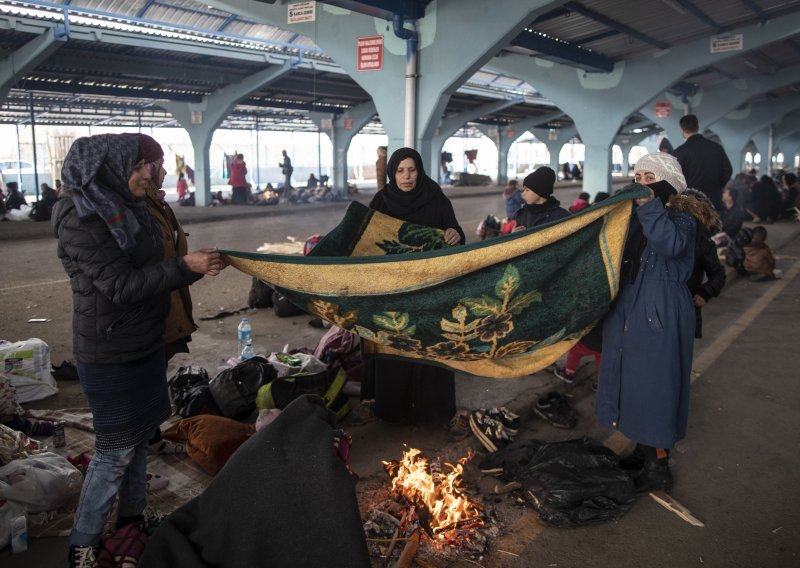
x=42, y=428
x=490, y=432
x=508, y=419
x=316, y=322
x=66, y=371
x=167, y=447
x=634, y=461
x=555, y=409
x=83, y=556
x=458, y=427
x=81, y=461
x=654, y=476
x=149, y=518
x=561, y=373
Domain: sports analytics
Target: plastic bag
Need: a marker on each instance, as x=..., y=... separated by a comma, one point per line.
x=296, y=363
x=15, y=445
x=8, y=512
x=576, y=483
x=40, y=483
x=27, y=365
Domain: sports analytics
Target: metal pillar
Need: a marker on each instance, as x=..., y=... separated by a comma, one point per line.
x=33, y=140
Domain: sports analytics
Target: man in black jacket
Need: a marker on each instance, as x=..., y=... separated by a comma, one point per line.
x=705, y=165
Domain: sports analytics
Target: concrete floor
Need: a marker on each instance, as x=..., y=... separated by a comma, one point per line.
x=734, y=471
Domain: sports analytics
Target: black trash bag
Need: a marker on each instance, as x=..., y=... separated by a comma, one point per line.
x=734, y=254
x=189, y=391
x=235, y=389
x=260, y=295
x=576, y=483
x=513, y=458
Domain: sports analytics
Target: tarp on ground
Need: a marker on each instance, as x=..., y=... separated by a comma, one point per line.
x=505, y=307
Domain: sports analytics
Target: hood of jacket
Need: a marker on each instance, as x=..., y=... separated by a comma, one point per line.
x=703, y=211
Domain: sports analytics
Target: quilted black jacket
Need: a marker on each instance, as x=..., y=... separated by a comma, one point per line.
x=120, y=299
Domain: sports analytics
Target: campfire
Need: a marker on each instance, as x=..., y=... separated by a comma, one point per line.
x=435, y=494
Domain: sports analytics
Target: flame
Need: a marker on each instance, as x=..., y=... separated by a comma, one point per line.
x=437, y=491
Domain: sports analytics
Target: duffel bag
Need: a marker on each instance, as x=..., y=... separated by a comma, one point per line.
x=235, y=389
x=328, y=384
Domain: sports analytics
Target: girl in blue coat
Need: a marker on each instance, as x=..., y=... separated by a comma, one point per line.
x=648, y=334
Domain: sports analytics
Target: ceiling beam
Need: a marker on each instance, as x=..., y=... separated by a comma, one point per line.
x=614, y=24
x=700, y=15
x=753, y=7
x=77, y=88
x=595, y=37
x=568, y=53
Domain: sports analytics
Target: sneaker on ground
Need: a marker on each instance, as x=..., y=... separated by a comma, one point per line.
x=490, y=432
x=83, y=556
x=561, y=373
x=509, y=420
x=555, y=409
x=458, y=428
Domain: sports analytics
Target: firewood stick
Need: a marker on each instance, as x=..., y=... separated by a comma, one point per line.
x=507, y=488
x=409, y=552
x=424, y=563
x=672, y=505
x=396, y=534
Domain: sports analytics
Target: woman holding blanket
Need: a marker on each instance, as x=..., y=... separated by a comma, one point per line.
x=113, y=252
x=404, y=390
x=649, y=332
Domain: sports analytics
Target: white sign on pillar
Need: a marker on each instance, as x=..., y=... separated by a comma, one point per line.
x=300, y=12
x=553, y=134
x=727, y=42
x=197, y=117
x=326, y=123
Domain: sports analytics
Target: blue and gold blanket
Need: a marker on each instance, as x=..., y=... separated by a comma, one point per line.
x=505, y=307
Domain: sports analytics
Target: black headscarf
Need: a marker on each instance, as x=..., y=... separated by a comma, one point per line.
x=401, y=203
x=95, y=174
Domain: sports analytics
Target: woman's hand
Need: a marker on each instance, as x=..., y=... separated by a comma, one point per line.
x=644, y=200
x=699, y=301
x=452, y=237
x=205, y=261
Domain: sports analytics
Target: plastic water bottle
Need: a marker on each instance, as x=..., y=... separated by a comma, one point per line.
x=244, y=334
x=248, y=352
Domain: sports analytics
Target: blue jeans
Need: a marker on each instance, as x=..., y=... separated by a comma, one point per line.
x=122, y=472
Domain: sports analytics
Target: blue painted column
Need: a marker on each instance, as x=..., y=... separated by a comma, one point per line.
x=598, y=103
x=200, y=120
x=450, y=125
x=455, y=39
x=342, y=130
x=738, y=127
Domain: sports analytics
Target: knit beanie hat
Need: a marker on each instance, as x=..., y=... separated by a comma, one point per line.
x=541, y=181
x=151, y=150
x=665, y=167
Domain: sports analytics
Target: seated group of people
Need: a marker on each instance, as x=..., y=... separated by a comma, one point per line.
x=41, y=210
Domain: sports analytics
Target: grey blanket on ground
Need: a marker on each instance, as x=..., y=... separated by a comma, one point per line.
x=283, y=499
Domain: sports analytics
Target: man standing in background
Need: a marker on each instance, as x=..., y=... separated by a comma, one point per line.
x=705, y=165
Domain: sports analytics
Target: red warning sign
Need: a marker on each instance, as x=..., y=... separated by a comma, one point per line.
x=369, y=53
x=663, y=110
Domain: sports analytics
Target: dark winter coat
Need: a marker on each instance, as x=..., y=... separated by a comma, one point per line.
x=732, y=220
x=15, y=200
x=705, y=166
x=120, y=298
x=648, y=335
x=706, y=266
x=530, y=216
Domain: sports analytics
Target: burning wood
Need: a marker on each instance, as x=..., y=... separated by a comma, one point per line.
x=441, y=506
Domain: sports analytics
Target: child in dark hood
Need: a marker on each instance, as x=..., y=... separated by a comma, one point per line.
x=540, y=205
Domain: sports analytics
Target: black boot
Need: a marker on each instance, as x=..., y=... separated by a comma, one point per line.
x=655, y=476
x=634, y=461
